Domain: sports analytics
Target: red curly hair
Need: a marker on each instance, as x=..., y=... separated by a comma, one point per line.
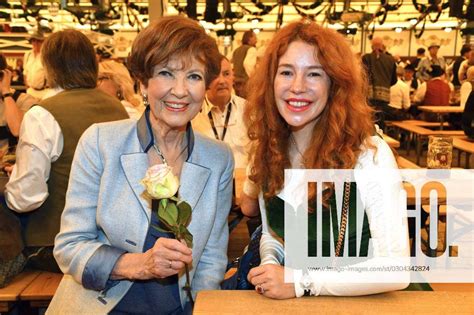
x=344, y=126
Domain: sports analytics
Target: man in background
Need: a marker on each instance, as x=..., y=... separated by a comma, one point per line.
x=425, y=66
x=244, y=60
x=420, y=54
x=454, y=68
x=399, y=98
x=381, y=70
x=221, y=116
x=33, y=71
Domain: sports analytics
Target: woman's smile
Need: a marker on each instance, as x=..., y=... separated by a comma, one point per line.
x=298, y=105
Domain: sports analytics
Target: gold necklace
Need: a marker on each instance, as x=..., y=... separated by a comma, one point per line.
x=303, y=159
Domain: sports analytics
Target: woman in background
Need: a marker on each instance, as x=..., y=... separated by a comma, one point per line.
x=114, y=79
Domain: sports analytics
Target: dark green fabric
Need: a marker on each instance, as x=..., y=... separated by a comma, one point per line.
x=419, y=287
x=75, y=111
x=275, y=208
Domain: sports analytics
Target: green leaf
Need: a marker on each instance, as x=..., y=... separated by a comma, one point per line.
x=164, y=202
x=165, y=216
x=185, y=212
x=188, y=238
x=173, y=211
x=156, y=227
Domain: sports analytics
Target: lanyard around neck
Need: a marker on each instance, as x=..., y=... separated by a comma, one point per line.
x=226, y=122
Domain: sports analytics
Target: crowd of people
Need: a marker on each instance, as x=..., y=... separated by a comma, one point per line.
x=88, y=131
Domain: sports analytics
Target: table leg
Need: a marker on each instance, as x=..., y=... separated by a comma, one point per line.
x=441, y=119
x=419, y=144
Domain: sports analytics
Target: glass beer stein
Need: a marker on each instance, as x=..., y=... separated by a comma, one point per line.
x=440, y=152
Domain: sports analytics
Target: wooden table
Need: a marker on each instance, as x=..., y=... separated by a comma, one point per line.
x=400, y=302
x=10, y=294
x=393, y=143
x=41, y=290
x=421, y=133
x=464, y=144
x=441, y=111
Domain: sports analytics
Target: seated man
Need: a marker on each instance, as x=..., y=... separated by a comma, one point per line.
x=437, y=91
x=221, y=116
x=48, y=137
x=399, y=98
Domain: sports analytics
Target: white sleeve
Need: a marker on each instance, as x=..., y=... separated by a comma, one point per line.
x=41, y=143
x=250, y=61
x=420, y=93
x=271, y=250
x=389, y=234
x=406, y=97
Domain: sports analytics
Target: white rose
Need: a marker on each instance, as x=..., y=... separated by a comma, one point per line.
x=160, y=182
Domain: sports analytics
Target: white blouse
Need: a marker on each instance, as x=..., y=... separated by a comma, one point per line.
x=388, y=228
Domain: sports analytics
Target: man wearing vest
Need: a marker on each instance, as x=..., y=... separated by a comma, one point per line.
x=244, y=60
x=48, y=137
x=454, y=67
x=381, y=69
x=435, y=92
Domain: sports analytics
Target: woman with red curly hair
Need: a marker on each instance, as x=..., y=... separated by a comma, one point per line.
x=307, y=110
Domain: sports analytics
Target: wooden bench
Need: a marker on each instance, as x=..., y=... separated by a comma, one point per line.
x=463, y=144
x=393, y=143
x=41, y=290
x=10, y=294
x=422, y=123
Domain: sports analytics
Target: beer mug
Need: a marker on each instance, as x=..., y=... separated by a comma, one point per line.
x=440, y=152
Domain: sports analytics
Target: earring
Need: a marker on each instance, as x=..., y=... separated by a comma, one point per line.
x=145, y=100
x=119, y=95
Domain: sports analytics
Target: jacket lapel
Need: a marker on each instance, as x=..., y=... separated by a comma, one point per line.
x=135, y=166
x=192, y=182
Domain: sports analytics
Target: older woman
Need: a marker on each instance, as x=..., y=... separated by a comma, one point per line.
x=307, y=110
x=113, y=259
x=115, y=80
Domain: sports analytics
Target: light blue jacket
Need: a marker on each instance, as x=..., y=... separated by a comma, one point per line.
x=107, y=213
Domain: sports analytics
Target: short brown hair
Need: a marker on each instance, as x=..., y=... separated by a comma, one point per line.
x=69, y=60
x=173, y=36
x=247, y=36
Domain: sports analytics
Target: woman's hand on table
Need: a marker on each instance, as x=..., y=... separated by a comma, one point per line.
x=269, y=280
x=166, y=258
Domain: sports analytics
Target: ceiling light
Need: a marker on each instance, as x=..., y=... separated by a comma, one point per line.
x=448, y=29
